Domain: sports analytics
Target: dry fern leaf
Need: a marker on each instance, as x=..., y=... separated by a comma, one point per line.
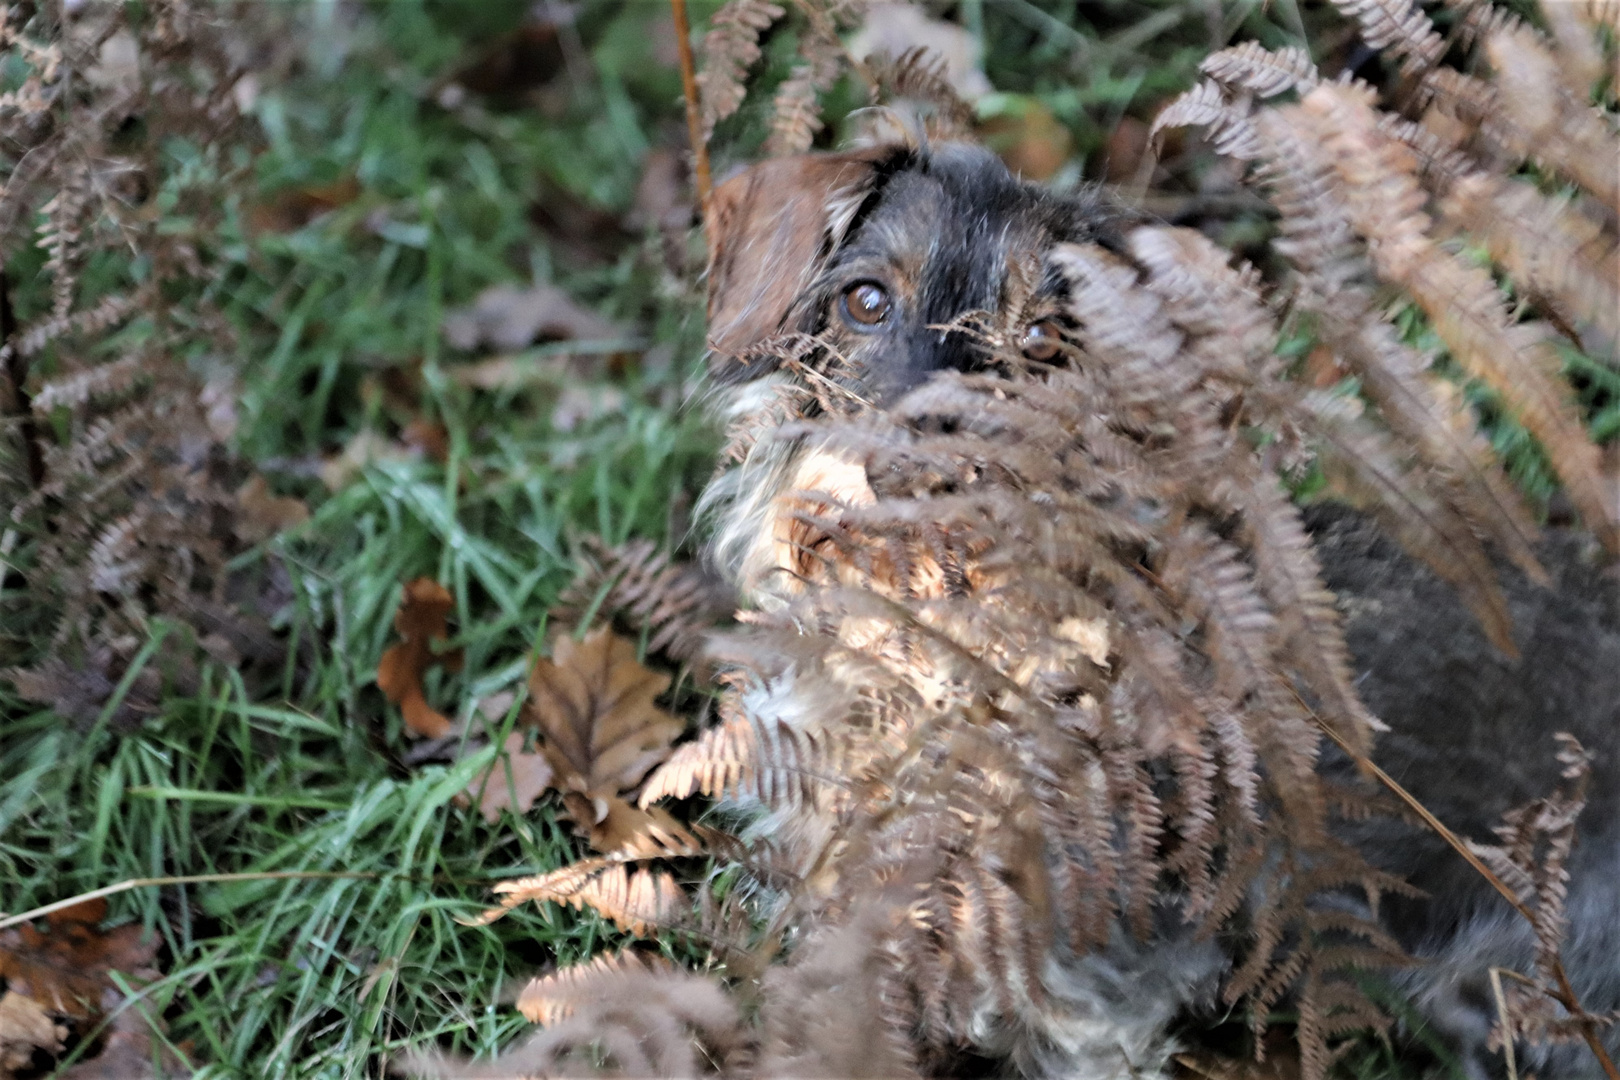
x=641, y=901
x=1462, y=302
x=1400, y=28
x=796, y=117
x=1321, y=244
x=1553, y=124
x=130, y=430
x=1252, y=67
x=674, y=603
x=552, y=998
x=1560, y=254
x=918, y=75
x=1207, y=105
x=730, y=48
x=748, y=757
x=1006, y=511
x=624, y=1016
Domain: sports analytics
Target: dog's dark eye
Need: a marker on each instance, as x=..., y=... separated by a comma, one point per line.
x=865, y=303
x=1041, y=341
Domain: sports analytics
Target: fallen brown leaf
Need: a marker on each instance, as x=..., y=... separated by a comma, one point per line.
x=65, y=968
x=58, y=989
x=511, y=65
x=262, y=513
x=601, y=732
x=1282, y=1063
x=508, y=318
x=128, y=1054
x=580, y=231
x=427, y=437
x=365, y=448
x=660, y=200
x=293, y=208
x=530, y=777
x=420, y=620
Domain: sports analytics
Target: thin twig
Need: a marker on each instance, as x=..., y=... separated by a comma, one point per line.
x=186, y=879
x=694, y=111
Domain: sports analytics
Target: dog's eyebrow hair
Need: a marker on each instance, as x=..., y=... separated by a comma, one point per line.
x=847, y=213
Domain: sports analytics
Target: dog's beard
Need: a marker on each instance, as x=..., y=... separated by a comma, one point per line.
x=755, y=510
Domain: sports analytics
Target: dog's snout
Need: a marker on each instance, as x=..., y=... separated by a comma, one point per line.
x=913, y=356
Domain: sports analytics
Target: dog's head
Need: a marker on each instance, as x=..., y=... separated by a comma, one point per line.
x=901, y=262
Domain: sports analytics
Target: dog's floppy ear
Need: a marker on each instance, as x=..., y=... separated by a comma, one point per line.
x=772, y=228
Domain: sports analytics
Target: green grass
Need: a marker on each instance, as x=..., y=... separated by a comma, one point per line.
x=301, y=769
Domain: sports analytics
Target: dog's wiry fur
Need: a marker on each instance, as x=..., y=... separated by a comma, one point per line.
x=960, y=246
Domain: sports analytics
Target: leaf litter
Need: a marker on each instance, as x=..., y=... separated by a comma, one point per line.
x=420, y=620
x=59, y=988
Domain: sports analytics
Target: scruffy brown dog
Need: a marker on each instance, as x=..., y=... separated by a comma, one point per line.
x=905, y=262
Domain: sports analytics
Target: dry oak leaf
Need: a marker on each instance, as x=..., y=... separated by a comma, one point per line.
x=293, y=208
x=65, y=968
x=593, y=704
x=263, y=513
x=420, y=621
x=129, y=1053
x=511, y=317
x=530, y=776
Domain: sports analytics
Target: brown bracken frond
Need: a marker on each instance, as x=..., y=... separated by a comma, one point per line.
x=918, y=75
x=641, y=901
x=1044, y=656
x=1370, y=199
x=1531, y=859
x=630, y=1016
x=113, y=466
x=797, y=116
x=676, y=604
x=548, y=999
x=730, y=48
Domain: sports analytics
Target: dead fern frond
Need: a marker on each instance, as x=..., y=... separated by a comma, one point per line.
x=797, y=116
x=748, y=757
x=1530, y=861
x=1399, y=28
x=548, y=999
x=918, y=76
x=130, y=508
x=1549, y=119
x=628, y=1016
x=640, y=901
x=730, y=48
x=1208, y=105
x=674, y=603
x=1261, y=71
x=1385, y=204
x=1562, y=256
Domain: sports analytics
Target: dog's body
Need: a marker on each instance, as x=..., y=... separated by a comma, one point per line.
x=904, y=262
